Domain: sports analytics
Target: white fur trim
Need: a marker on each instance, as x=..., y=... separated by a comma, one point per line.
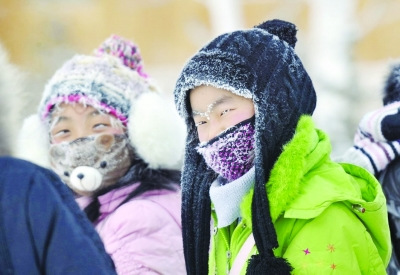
x=12, y=81
x=157, y=132
x=33, y=142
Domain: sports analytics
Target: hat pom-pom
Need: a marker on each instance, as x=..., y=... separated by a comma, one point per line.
x=268, y=265
x=392, y=86
x=284, y=30
x=123, y=49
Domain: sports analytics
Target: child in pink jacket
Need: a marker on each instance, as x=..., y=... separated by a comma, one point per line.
x=107, y=131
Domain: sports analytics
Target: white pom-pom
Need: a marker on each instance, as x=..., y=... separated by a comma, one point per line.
x=157, y=132
x=33, y=142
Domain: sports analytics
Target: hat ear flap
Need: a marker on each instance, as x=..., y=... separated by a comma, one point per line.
x=33, y=142
x=156, y=131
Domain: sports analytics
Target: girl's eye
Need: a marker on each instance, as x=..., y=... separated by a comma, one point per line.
x=197, y=124
x=61, y=133
x=224, y=112
x=100, y=125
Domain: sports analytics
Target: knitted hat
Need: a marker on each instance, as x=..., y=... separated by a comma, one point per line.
x=113, y=81
x=259, y=63
x=107, y=81
x=376, y=141
x=125, y=50
x=391, y=91
x=391, y=123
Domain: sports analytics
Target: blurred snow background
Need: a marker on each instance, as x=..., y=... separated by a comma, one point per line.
x=347, y=47
x=11, y=88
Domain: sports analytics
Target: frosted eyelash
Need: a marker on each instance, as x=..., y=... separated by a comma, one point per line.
x=207, y=113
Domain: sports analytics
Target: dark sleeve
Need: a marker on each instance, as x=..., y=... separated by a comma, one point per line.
x=42, y=229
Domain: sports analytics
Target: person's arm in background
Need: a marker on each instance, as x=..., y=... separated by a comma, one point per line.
x=42, y=230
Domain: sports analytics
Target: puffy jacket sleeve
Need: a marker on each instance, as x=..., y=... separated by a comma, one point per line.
x=334, y=242
x=143, y=238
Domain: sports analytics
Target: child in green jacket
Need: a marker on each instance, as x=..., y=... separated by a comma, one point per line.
x=258, y=169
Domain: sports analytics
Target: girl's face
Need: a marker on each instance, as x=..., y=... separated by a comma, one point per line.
x=214, y=110
x=72, y=121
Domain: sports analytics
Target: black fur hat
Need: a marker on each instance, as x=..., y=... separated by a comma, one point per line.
x=391, y=91
x=261, y=64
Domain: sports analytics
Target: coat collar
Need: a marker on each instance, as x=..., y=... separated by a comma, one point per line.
x=299, y=192
x=112, y=199
x=308, y=147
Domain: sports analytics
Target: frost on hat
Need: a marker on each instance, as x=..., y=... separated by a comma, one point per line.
x=111, y=80
x=259, y=63
x=125, y=50
x=392, y=86
x=108, y=81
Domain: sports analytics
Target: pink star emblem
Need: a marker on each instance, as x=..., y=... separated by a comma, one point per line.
x=306, y=251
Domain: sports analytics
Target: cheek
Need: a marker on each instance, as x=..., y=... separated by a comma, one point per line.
x=202, y=133
x=115, y=131
x=59, y=139
x=54, y=140
x=239, y=117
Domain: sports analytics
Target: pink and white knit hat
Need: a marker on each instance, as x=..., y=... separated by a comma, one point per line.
x=107, y=80
x=111, y=80
x=125, y=50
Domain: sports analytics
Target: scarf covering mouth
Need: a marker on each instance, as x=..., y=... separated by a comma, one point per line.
x=231, y=154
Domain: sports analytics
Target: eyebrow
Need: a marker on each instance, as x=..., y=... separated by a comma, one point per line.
x=59, y=119
x=95, y=113
x=211, y=106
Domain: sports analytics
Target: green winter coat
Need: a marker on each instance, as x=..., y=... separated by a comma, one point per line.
x=317, y=207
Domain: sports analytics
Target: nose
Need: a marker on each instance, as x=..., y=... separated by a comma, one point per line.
x=80, y=133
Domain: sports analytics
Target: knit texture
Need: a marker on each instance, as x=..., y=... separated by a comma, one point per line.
x=123, y=49
x=231, y=154
x=109, y=80
x=101, y=82
x=261, y=64
x=377, y=139
x=372, y=149
x=391, y=92
x=113, y=81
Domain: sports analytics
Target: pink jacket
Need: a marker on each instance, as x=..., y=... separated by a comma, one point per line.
x=144, y=235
